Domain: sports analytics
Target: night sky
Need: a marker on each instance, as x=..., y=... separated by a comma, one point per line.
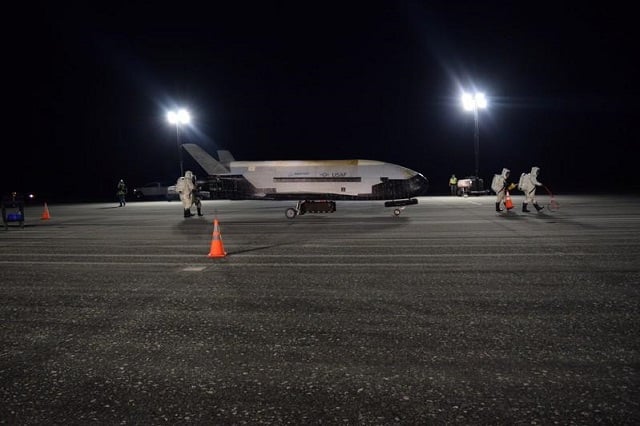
x=89, y=86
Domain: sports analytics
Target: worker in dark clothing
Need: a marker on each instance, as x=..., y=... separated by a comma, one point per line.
x=121, y=192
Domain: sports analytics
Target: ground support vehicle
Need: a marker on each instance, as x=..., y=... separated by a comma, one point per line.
x=13, y=210
x=311, y=206
x=471, y=185
x=152, y=191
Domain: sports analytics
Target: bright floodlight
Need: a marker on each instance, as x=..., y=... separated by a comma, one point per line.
x=180, y=117
x=481, y=101
x=473, y=102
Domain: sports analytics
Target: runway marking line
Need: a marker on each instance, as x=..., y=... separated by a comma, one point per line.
x=290, y=255
x=194, y=268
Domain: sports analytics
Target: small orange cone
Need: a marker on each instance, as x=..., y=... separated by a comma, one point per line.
x=217, y=248
x=507, y=202
x=45, y=213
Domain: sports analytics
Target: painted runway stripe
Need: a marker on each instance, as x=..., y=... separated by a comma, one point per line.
x=218, y=265
x=306, y=255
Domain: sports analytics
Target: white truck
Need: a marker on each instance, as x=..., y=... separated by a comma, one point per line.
x=152, y=191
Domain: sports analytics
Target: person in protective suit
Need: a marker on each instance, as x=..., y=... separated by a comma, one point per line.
x=528, y=185
x=185, y=186
x=500, y=186
x=196, y=195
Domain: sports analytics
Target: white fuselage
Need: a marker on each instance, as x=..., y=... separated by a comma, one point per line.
x=339, y=177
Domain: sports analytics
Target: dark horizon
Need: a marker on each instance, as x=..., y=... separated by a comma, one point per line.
x=91, y=86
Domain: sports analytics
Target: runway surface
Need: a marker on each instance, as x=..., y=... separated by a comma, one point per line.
x=450, y=313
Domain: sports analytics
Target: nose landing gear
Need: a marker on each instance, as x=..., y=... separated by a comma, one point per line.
x=400, y=205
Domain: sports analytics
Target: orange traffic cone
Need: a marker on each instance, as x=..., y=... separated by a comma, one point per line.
x=507, y=202
x=217, y=248
x=45, y=213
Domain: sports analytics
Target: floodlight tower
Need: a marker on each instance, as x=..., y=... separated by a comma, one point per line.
x=474, y=103
x=177, y=118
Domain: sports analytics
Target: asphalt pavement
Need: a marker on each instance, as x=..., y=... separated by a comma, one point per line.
x=449, y=313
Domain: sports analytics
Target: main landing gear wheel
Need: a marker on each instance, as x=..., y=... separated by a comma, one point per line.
x=291, y=213
x=400, y=205
x=397, y=211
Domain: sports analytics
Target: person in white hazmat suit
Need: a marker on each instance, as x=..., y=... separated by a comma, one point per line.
x=528, y=184
x=500, y=184
x=186, y=188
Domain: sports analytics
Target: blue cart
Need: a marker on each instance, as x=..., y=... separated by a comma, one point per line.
x=13, y=210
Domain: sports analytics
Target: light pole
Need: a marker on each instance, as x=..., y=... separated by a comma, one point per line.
x=474, y=103
x=179, y=117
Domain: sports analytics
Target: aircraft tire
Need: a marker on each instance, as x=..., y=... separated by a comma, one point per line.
x=291, y=213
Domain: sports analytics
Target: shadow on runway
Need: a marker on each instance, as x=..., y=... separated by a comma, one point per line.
x=302, y=227
x=7, y=228
x=510, y=216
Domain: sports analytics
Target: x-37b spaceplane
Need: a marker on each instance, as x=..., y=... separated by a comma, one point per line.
x=316, y=185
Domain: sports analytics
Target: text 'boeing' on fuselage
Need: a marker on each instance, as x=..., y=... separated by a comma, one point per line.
x=315, y=184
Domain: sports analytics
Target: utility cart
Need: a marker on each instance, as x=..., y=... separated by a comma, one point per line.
x=471, y=185
x=13, y=210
